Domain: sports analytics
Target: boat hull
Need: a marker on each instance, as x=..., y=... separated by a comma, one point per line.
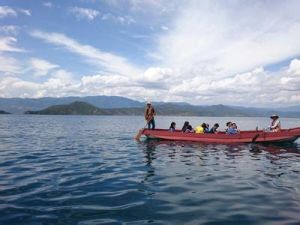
x=285, y=135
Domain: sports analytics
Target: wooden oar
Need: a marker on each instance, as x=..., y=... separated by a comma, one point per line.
x=254, y=138
x=139, y=134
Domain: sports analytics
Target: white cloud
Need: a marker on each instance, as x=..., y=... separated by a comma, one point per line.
x=10, y=29
x=25, y=11
x=41, y=67
x=7, y=44
x=157, y=74
x=256, y=88
x=7, y=11
x=84, y=13
x=294, y=67
x=59, y=84
x=13, y=86
x=221, y=38
x=124, y=20
x=109, y=63
x=9, y=65
x=164, y=27
x=48, y=4
x=146, y=6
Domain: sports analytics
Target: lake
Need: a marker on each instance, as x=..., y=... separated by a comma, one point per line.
x=89, y=170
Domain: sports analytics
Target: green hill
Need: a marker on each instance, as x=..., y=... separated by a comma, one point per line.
x=4, y=112
x=75, y=108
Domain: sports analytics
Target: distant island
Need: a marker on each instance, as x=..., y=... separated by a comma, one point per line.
x=83, y=108
x=75, y=108
x=4, y=112
x=167, y=109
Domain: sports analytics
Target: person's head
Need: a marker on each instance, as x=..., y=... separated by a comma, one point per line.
x=216, y=125
x=207, y=125
x=274, y=117
x=204, y=125
x=186, y=123
x=228, y=124
x=173, y=124
x=148, y=104
x=233, y=125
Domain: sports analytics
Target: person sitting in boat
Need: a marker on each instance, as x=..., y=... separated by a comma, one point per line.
x=275, y=124
x=228, y=125
x=206, y=129
x=200, y=129
x=189, y=129
x=214, y=129
x=172, y=127
x=232, y=129
x=149, y=116
x=185, y=125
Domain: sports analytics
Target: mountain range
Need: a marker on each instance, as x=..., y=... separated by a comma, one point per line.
x=176, y=109
x=20, y=105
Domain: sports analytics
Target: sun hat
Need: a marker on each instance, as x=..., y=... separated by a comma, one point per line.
x=148, y=103
x=274, y=116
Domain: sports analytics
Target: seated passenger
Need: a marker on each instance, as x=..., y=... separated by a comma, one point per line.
x=185, y=125
x=232, y=129
x=228, y=124
x=275, y=124
x=199, y=130
x=172, y=127
x=214, y=129
x=206, y=129
x=189, y=129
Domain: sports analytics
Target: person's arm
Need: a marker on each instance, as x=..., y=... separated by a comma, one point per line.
x=275, y=124
x=146, y=114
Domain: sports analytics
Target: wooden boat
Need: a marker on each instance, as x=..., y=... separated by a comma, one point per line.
x=260, y=136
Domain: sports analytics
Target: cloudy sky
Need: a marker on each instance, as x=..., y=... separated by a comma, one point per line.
x=202, y=52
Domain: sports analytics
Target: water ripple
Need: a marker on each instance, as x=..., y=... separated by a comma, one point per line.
x=83, y=170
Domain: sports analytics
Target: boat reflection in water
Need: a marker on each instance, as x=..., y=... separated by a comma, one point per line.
x=153, y=148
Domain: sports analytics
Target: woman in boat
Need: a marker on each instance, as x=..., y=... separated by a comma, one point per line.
x=206, y=129
x=275, y=124
x=228, y=125
x=214, y=129
x=200, y=129
x=172, y=127
x=232, y=129
x=189, y=129
x=185, y=125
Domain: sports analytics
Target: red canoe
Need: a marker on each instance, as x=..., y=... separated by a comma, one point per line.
x=285, y=135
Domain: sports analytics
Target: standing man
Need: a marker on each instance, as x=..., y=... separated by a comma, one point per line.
x=149, y=116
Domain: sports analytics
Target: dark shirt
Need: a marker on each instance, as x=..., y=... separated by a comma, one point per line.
x=213, y=130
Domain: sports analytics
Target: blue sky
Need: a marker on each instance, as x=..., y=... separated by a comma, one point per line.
x=201, y=52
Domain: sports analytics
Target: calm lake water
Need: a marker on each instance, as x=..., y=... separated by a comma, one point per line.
x=89, y=170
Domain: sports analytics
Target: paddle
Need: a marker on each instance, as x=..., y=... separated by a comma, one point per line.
x=254, y=138
x=139, y=134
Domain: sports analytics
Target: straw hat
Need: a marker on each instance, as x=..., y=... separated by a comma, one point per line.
x=274, y=116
